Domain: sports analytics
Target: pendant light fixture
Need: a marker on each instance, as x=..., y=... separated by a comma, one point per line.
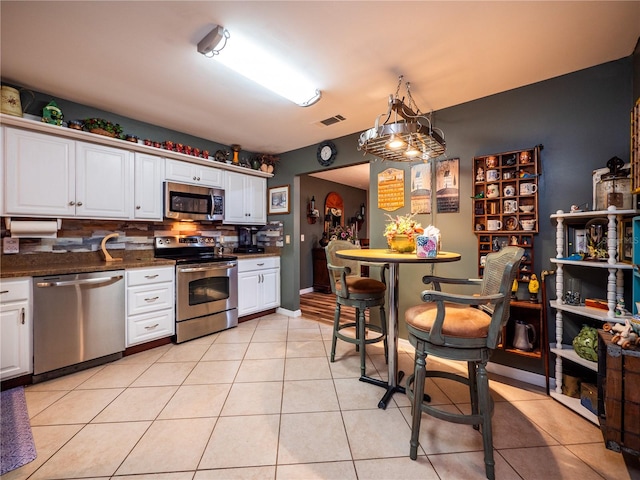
x=406, y=135
x=258, y=64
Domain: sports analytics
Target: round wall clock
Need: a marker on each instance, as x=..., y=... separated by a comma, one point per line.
x=326, y=154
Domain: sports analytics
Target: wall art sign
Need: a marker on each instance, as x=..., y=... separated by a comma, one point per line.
x=448, y=185
x=421, y=188
x=391, y=189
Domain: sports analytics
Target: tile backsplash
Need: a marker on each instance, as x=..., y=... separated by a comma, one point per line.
x=85, y=235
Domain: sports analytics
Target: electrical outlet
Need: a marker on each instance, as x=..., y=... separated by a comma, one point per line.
x=302, y=237
x=10, y=245
x=287, y=239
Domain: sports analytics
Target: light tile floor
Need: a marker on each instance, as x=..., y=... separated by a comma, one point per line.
x=262, y=401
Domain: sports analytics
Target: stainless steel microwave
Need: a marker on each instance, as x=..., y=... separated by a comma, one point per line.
x=193, y=202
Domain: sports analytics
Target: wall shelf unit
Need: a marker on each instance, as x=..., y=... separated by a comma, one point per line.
x=505, y=203
x=505, y=212
x=575, y=314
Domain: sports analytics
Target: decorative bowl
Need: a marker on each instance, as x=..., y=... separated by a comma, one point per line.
x=526, y=208
x=402, y=244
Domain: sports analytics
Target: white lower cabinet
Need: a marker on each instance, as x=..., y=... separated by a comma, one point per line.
x=258, y=284
x=150, y=304
x=16, y=345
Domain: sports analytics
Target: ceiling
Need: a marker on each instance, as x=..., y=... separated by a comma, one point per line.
x=139, y=59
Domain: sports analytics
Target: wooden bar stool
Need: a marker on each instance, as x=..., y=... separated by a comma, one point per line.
x=467, y=328
x=353, y=290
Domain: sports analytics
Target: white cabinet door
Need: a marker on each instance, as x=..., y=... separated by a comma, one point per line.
x=257, y=199
x=258, y=284
x=40, y=176
x=245, y=199
x=234, y=209
x=16, y=357
x=248, y=292
x=271, y=288
x=192, y=173
x=103, y=181
x=147, y=191
x=210, y=177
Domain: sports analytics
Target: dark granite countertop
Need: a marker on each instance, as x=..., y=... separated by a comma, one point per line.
x=42, y=264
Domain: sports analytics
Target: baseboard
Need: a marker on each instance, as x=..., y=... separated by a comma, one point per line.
x=503, y=370
x=306, y=290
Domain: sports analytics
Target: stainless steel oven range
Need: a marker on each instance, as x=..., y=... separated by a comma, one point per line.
x=206, y=285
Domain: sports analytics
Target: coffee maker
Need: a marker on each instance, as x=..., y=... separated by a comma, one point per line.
x=247, y=240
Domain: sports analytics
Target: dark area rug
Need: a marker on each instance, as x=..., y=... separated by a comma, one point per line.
x=16, y=441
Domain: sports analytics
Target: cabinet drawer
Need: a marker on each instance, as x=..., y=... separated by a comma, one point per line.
x=246, y=265
x=12, y=290
x=150, y=326
x=147, y=276
x=145, y=299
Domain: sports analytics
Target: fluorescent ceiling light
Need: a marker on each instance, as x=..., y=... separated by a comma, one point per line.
x=264, y=68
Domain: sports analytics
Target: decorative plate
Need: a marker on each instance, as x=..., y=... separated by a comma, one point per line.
x=511, y=223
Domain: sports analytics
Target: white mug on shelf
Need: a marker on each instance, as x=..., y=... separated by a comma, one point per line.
x=493, y=175
x=509, y=191
x=494, y=225
x=510, y=206
x=528, y=188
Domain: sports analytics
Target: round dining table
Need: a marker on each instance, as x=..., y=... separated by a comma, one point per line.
x=393, y=259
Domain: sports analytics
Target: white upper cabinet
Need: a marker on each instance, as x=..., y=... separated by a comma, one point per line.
x=50, y=176
x=104, y=178
x=147, y=192
x=245, y=199
x=193, y=173
x=40, y=175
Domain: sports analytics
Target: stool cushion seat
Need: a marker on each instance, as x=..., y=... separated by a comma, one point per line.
x=363, y=285
x=460, y=321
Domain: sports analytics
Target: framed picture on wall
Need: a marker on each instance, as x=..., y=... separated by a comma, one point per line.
x=278, y=200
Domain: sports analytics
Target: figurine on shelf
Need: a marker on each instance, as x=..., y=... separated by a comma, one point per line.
x=480, y=175
x=514, y=289
x=514, y=240
x=534, y=287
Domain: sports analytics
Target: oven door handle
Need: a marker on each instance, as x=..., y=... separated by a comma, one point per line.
x=206, y=269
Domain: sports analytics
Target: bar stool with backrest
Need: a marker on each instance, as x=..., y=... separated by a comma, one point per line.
x=461, y=327
x=353, y=290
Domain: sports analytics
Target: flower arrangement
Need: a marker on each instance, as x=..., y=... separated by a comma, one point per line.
x=402, y=225
x=401, y=233
x=102, y=127
x=341, y=233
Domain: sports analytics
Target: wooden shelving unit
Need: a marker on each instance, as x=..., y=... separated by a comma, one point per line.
x=505, y=199
x=503, y=183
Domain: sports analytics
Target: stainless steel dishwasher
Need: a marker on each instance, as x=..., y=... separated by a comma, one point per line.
x=77, y=318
